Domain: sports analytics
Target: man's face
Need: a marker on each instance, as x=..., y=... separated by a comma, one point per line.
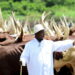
x=40, y=35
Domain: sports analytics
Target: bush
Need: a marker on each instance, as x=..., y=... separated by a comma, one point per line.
x=4, y=5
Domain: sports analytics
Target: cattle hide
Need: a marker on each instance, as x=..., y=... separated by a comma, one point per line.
x=9, y=59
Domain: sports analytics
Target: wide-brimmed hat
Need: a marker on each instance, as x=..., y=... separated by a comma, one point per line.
x=38, y=27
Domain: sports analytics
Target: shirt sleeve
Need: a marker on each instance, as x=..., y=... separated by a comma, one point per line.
x=24, y=58
x=62, y=45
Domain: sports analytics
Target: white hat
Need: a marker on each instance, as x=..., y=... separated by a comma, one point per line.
x=38, y=28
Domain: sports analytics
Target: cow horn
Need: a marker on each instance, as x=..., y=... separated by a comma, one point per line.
x=46, y=25
x=57, y=30
x=20, y=37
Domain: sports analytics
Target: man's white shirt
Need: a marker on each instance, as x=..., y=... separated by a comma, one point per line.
x=39, y=55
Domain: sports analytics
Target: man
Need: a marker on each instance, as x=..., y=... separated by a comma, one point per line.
x=38, y=53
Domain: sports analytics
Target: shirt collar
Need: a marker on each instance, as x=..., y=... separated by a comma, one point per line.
x=38, y=41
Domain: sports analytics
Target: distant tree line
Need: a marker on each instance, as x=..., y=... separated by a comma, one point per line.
x=47, y=1
x=30, y=7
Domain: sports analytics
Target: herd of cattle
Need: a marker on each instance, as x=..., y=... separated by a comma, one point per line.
x=10, y=54
x=11, y=47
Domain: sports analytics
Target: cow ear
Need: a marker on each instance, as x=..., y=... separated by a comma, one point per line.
x=58, y=55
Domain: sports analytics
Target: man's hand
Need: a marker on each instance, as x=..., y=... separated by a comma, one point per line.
x=22, y=63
